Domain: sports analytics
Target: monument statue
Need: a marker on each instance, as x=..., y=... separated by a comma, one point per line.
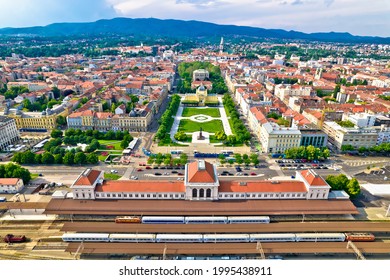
x=200, y=136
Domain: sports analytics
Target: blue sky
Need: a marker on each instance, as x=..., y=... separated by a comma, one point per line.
x=359, y=17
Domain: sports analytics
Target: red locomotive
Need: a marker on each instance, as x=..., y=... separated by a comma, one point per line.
x=128, y=219
x=359, y=237
x=10, y=238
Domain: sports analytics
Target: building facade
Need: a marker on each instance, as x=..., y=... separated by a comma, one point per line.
x=11, y=185
x=313, y=137
x=201, y=183
x=340, y=136
x=9, y=133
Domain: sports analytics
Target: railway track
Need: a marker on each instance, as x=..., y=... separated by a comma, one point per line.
x=228, y=228
x=229, y=248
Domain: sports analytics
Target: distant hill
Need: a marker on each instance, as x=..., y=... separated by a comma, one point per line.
x=179, y=29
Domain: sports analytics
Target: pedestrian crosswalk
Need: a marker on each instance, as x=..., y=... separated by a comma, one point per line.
x=364, y=162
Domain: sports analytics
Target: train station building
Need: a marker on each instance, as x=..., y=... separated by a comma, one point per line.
x=201, y=183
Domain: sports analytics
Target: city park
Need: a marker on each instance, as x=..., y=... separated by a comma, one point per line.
x=202, y=116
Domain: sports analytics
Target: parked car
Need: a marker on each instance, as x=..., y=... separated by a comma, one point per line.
x=157, y=174
x=253, y=174
x=139, y=169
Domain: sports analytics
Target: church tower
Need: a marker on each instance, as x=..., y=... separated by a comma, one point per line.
x=221, y=46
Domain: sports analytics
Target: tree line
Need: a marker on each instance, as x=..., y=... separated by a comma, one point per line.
x=11, y=170
x=241, y=133
x=310, y=153
x=342, y=183
x=166, y=120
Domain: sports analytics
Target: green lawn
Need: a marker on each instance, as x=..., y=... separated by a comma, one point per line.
x=115, y=143
x=110, y=176
x=211, y=127
x=212, y=112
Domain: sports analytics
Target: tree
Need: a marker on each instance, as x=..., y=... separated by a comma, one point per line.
x=56, y=133
x=238, y=158
x=47, y=158
x=28, y=158
x=181, y=136
x=338, y=182
x=167, y=161
x=80, y=158
x=353, y=188
x=12, y=170
x=124, y=143
x=92, y=158
x=68, y=158
x=16, y=158
x=325, y=153
x=56, y=92
x=38, y=158
x=58, y=159
x=113, y=107
x=61, y=120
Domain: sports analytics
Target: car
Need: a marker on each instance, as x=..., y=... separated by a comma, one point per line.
x=148, y=167
x=238, y=169
x=114, y=171
x=174, y=171
x=180, y=174
x=325, y=167
x=40, y=175
x=224, y=174
x=139, y=169
x=253, y=174
x=155, y=167
x=292, y=177
x=135, y=178
x=282, y=165
x=157, y=174
x=132, y=177
x=247, y=168
x=169, y=167
x=245, y=174
x=238, y=174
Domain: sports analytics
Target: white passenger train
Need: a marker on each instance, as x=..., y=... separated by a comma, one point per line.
x=203, y=238
x=204, y=219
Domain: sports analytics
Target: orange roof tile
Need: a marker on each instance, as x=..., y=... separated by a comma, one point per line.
x=9, y=181
x=312, y=178
x=88, y=179
x=141, y=186
x=262, y=186
x=197, y=175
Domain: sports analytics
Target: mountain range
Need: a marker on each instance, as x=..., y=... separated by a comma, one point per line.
x=180, y=29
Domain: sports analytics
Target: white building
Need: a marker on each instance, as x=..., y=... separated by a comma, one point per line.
x=200, y=75
x=357, y=137
x=362, y=120
x=282, y=91
x=9, y=134
x=11, y=185
x=201, y=183
x=276, y=139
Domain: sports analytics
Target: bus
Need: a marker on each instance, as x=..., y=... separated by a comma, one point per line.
x=227, y=152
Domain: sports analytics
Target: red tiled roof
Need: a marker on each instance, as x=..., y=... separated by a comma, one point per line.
x=141, y=186
x=200, y=176
x=312, y=178
x=262, y=186
x=87, y=180
x=9, y=181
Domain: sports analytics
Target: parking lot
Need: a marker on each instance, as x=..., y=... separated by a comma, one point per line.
x=262, y=172
x=290, y=164
x=375, y=176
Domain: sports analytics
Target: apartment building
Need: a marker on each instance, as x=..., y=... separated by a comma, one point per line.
x=9, y=133
x=276, y=139
x=11, y=185
x=357, y=137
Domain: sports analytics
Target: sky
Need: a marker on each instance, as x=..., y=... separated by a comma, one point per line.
x=358, y=17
